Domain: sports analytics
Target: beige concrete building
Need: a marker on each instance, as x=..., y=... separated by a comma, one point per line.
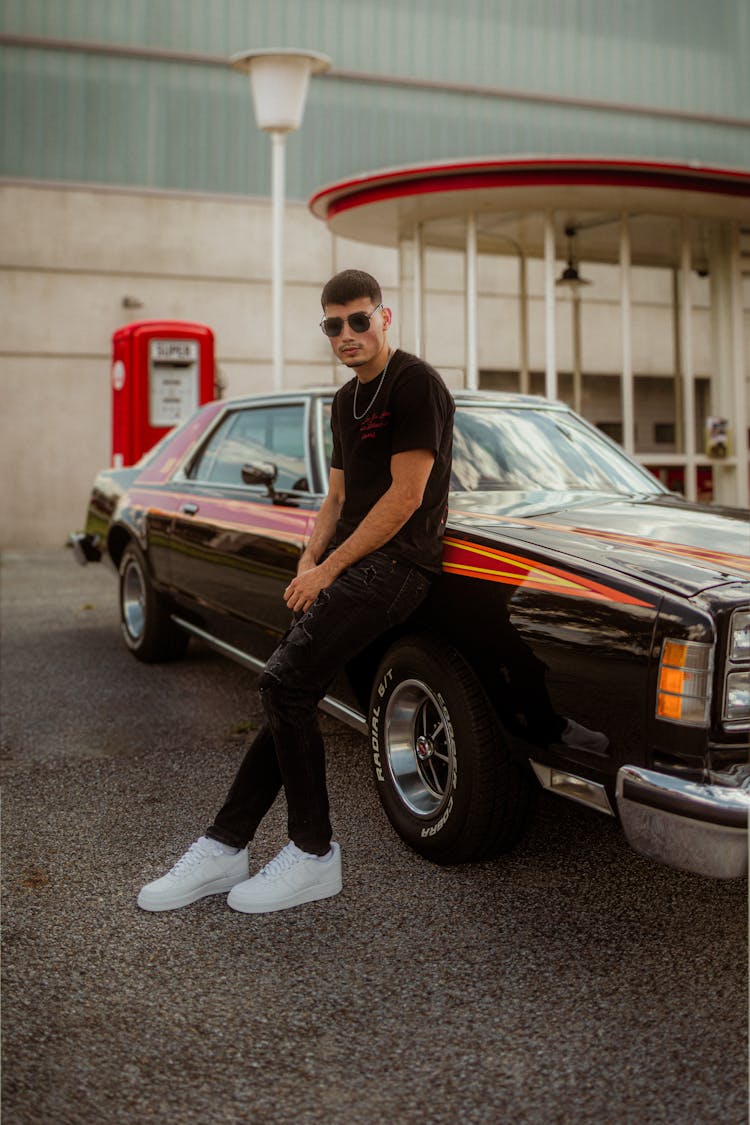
x=134, y=185
x=79, y=262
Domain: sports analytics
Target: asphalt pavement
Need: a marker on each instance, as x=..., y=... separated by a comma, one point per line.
x=571, y=981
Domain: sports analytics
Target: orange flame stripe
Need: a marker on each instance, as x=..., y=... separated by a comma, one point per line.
x=473, y=560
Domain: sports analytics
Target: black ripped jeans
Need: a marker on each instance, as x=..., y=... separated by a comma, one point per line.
x=366, y=599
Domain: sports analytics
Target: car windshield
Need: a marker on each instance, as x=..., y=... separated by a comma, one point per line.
x=521, y=449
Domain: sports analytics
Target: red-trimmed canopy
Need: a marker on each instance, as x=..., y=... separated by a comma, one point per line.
x=382, y=207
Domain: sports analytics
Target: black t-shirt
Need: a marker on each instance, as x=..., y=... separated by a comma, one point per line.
x=411, y=409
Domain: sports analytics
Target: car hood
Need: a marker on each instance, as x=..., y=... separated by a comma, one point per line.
x=663, y=540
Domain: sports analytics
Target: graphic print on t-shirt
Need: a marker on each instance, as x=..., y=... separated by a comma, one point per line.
x=369, y=426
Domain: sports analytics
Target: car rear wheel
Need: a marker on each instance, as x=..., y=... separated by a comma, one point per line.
x=147, y=628
x=442, y=767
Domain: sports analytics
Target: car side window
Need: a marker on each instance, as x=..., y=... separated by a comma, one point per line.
x=258, y=434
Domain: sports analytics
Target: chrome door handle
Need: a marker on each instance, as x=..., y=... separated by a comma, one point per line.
x=188, y=509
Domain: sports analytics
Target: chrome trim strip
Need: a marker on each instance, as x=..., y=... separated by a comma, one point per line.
x=346, y=714
x=228, y=650
x=330, y=705
x=323, y=467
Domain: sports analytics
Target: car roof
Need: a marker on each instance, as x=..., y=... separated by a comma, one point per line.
x=461, y=396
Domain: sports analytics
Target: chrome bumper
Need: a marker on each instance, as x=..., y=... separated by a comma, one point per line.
x=84, y=547
x=696, y=827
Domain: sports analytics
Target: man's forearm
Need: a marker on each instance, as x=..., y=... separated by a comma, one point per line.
x=381, y=523
x=322, y=532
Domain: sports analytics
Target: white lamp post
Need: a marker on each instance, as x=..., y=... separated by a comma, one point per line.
x=279, y=79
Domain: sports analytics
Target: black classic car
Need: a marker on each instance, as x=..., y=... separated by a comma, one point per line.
x=590, y=630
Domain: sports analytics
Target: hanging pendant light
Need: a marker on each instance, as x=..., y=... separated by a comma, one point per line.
x=570, y=277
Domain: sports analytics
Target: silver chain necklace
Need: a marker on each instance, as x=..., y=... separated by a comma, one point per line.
x=359, y=417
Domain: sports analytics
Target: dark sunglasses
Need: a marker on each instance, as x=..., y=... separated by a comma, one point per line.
x=357, y=321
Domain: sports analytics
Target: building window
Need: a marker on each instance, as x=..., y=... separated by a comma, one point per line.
x=499, y=380
x=612, y=430
x=664, y=433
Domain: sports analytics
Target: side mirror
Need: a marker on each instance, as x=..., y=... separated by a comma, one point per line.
x=261, y=472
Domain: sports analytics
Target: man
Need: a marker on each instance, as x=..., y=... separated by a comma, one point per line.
x=376, y=542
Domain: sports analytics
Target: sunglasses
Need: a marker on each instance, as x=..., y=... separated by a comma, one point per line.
x=357, y=321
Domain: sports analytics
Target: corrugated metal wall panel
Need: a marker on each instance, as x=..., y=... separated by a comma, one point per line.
x=79, y=116
x=130, y=121
x=685, y=54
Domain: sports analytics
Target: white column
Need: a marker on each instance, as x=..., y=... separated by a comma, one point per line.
x=278, y=141
x=550, y=375
x=727, y=384
x=418, y=310
x=686, y=349
x=577, y=360
x=626, y=389
x=742, y=420
x=472, y=366
x=523, y=325
x=404, y=247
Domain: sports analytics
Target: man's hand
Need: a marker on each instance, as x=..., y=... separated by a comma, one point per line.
x=304, y=589
x=409, y=474
x=312, y=577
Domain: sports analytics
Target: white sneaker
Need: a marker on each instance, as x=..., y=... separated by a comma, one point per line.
x=290, y=879
x=203, y=870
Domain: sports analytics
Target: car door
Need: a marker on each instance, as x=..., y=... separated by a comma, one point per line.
x=234, y=547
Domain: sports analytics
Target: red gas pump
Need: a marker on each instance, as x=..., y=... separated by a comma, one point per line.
x=162, y=370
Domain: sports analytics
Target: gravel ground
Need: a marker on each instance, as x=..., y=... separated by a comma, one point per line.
x=571, y=981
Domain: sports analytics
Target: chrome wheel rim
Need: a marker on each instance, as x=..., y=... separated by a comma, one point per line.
x=133, y=601
x=420, y=748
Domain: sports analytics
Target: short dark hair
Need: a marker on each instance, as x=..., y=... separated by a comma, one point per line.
x=347, y=286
